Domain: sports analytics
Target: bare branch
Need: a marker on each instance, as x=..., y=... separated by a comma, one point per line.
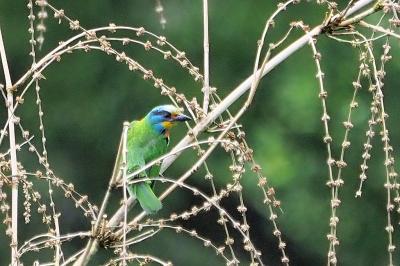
x=206, y=45
x=13, y=153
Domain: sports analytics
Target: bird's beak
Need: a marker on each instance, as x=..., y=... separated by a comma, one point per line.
x=182, y=118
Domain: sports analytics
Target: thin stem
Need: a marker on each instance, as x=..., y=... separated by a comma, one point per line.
x=361, y=15
x=206, y=86
x=13, y=154
x=160, y=11
x=380, y=29
x=123, y=170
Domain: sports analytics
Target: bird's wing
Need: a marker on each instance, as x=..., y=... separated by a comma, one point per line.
x=135, y=161
x=135, y=157
x=154, y=171
x=161, y=147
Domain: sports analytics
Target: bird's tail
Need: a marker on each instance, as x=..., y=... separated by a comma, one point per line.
x=146, y=197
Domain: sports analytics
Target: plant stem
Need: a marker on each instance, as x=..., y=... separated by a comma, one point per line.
x=125, y=196
x=229, y=100
x=246, y=85
x=206, y=85
x=360, y=16
x=13, y=155
x=380, y=29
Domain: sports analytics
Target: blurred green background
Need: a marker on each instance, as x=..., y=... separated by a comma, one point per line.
x=87, y=96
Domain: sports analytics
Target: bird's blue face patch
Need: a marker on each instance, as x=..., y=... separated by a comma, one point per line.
x=162, y=117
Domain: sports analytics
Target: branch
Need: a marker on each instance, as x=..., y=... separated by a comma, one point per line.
x=206, y=86
x=91, y=33
x=249, y=83
x=13, y=154
x=124, y=172
x=380, y=29
x=360, y=16
x=233, y=97
x=246, y=85
x=238, y=92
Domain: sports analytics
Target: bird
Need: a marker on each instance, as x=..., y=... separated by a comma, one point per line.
x=148, y=139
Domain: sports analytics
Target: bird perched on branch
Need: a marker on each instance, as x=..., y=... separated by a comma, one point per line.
x=148, y=139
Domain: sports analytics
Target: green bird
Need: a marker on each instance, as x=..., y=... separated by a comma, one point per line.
x=148, y=139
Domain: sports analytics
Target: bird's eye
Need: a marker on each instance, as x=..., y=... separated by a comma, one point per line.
x=167, y=115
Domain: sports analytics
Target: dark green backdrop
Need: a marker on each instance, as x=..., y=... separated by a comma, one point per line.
x=86, y=97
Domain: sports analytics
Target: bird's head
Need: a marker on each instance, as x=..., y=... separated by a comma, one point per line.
x=163, y=117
